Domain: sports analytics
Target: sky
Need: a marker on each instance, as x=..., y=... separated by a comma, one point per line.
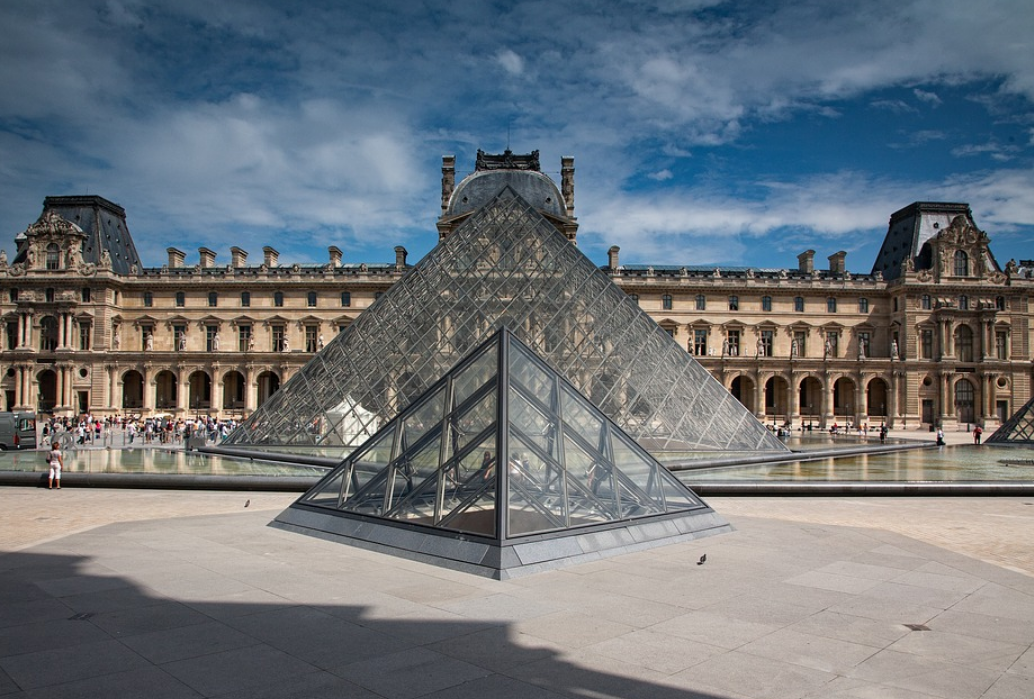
x=704, y=132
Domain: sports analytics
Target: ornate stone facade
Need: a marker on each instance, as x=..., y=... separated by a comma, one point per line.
x=938, y=333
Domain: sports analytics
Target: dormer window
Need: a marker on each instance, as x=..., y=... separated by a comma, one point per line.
x=961, y=263
x=53, y=256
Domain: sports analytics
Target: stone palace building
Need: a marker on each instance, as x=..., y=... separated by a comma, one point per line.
x=936, y=333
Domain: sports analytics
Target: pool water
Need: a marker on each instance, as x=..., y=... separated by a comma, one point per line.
x=153, y=461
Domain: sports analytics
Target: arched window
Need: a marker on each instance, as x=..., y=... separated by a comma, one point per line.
x=310, y=299
x=278, y=299
x=766, y=303
x=346, y=298
x=701, y=302
x=213, y=298
x=666, y=302
x=961, y=263
x=53, y=256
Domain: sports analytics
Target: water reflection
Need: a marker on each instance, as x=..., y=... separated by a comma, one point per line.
x=956, y=463
x=155, y=461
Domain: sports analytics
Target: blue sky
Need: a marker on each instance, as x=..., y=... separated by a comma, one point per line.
x=703, y=132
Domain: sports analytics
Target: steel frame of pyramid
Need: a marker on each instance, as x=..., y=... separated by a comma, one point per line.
x=1018, y=429
x=502, y=468
x=505, y=265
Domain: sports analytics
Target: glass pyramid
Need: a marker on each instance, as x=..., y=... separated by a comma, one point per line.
x=506, y=265
x=496, y=460
x=1019, y=429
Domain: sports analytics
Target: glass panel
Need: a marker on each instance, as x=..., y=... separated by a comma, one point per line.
x=415, y=485
x=536, y=496
x=327, y=493
x=473, y=422
x=469, y=494
x=427, y=416
x=475, y=375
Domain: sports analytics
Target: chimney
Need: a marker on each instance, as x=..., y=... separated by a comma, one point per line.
x=837, y=262
x=238, y=257
x=270, y=256
x=335, y=256
x=806, y=262
x=207, y=257
x=567, y=182
x=176, y=258
x=612, y=257
x=400, y=258
x=448, y=179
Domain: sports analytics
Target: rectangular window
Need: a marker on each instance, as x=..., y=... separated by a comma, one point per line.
x=311, y=333
x=925, y=302
x=12, y=294
x=179, y=337
x=666, y=302
x=148, y=299
x=635, y=298
x=211, y=331
x=12, y=335
x=831, y=305
x=701, y=302
x=346, y=299
x=244, y=338
x=864, y=344
x=700, y=342
x=926, y=344
x=734, y=303
x=85, y=295
x=245, y=299
x=276, y=333
x=766, y=303
x=85, y=331
x=732, y=339
x=765, y=349
x=798, y=348
x=798, y=304
x=863, y=305
x=1002, y=345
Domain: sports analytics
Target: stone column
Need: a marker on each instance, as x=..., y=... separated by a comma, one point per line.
x=112, y=387
x=827, y=402
x=149, y=389
x=250, y=390
x=795, y=399
x=217, y=390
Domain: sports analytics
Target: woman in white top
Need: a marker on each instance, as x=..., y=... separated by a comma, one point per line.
x=57, y=462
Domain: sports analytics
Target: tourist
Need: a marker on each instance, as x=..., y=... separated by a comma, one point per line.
x=940, y=437
x=56, y=462
x=976, y=434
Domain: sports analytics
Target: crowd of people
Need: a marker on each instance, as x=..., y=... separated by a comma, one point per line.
x=131, y=430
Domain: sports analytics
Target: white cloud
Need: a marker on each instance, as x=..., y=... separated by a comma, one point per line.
x=661, y=175
x=510, y=61
x=930, y=98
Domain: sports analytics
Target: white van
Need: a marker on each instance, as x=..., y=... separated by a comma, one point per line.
x=17, y=431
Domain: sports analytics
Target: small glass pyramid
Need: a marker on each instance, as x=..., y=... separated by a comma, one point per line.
x=499, y=458
x=1019, y=429
x=506, y=265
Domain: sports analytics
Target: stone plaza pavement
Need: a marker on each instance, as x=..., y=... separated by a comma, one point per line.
x=156, y=594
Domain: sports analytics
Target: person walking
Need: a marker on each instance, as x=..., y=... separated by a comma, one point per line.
x=56, y=462
x=977, y=431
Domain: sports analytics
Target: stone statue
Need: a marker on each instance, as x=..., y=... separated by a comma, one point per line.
x=861, y=349
x=3, y=258
x=215, y=342
x=319, y=342
x=760, y=347
x=116, y=339
x=286, y=345
x=725, y=347
x=251, y=343
x=794, y=348
x=105, y=259
x=149, y=342
x=828, y=349
x=893, y=349
x=183, y=341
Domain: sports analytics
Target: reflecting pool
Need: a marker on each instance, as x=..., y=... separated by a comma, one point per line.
x=153, y=461
x=941, y=464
